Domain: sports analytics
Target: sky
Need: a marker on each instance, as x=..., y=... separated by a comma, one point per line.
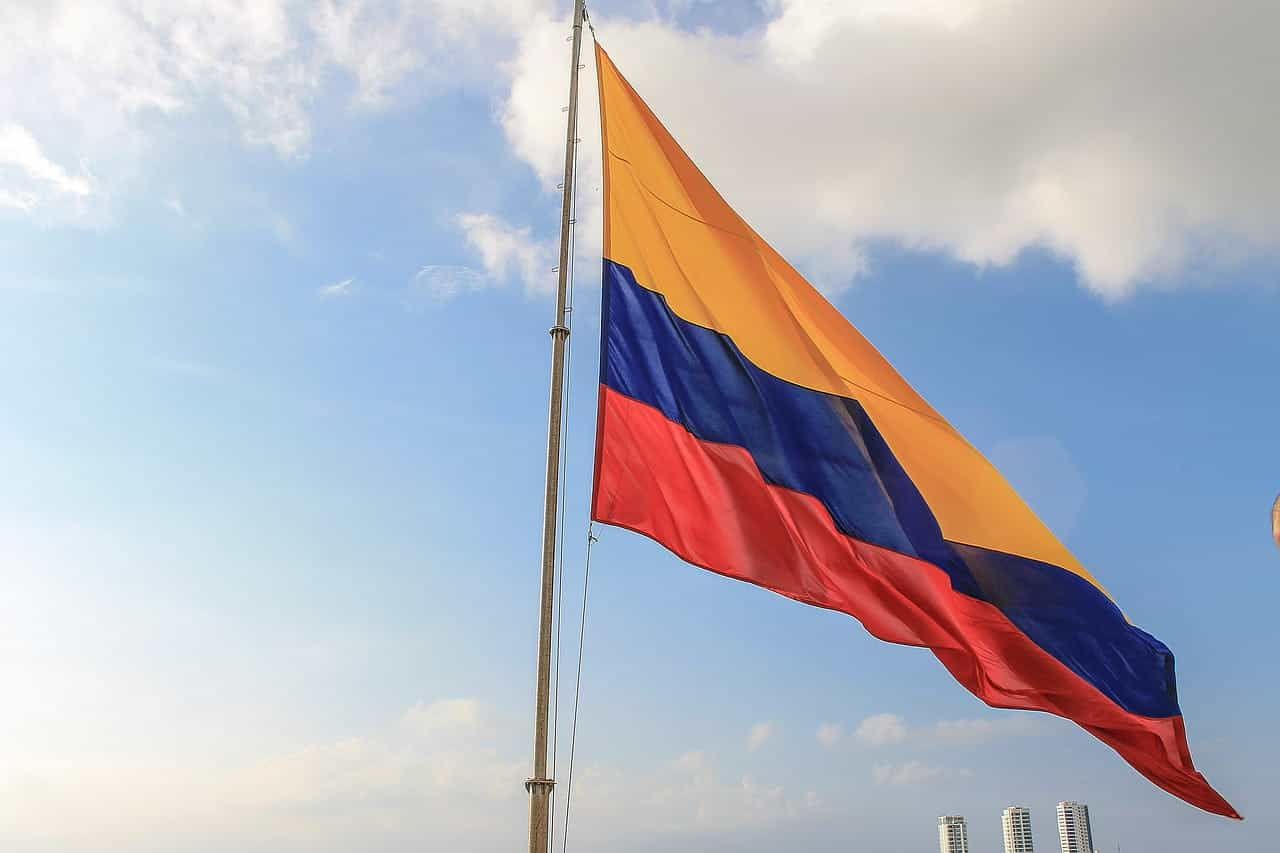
x=275, y=280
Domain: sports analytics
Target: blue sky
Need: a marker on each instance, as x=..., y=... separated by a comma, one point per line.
x=273, y=353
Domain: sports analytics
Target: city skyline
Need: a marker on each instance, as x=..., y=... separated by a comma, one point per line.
x=1074, y=830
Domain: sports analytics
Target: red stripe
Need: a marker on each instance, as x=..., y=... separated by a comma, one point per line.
x=708, y=503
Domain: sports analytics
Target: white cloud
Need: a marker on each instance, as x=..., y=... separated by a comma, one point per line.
x=691, y=762
x=803, y=26
x=445, y=773
x=440, y=283
x=969, y=732
x=507, y=251
x=699, y=798
x=830, y=734
x=436, y=43
x=109, y=80
x=29, y=179
x=372, y=42
x=19, y=200
x=19, y=149
x=881, y=729
x=338, y=289
x=99, y=83
x=912, y=773
x=435, y=767
x=437, y=749
x=163, y=57
x=888, y=729
x=981, y=128
x=759, y=735
x=1042, y=124
x=448, y=715
x=534, y=126
x=538, y=79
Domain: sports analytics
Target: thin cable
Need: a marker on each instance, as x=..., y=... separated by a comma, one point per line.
x=592, y=539
x=564, y=451
x=555, y=695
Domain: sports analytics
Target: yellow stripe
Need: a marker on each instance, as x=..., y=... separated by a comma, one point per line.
x=665, y=221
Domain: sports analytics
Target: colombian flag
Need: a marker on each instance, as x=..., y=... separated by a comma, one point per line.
x=748, y=427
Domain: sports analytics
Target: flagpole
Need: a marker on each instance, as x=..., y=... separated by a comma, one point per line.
x=539, y=785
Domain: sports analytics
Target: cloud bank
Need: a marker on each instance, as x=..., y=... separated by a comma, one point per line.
x=1134, y=146
x=881, y=730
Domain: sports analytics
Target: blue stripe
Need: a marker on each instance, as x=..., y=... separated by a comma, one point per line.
x=826, y=446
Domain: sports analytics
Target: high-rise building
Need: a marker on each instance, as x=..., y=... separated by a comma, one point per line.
x=1074, y=830
x=953, y=834
x=1017, y=830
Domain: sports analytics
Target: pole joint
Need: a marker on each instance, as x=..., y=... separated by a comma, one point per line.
x=559, y=331
x=530, y=784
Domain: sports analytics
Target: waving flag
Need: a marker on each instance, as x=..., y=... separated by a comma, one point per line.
x=749, y=428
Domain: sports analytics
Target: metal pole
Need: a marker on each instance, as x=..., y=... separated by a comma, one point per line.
x=539, y=786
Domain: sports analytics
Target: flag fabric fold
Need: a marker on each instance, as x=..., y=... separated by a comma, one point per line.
x=749, y=428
